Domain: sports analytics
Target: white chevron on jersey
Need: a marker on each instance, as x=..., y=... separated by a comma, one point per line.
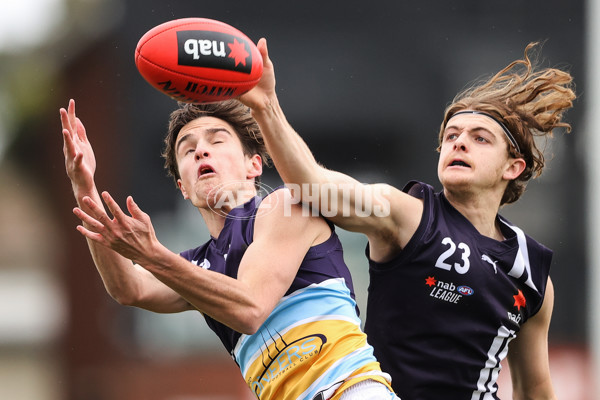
x=522, y=259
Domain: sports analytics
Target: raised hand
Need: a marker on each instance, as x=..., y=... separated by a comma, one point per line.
x=133, y=237
x=80, y=161
x=260, y=96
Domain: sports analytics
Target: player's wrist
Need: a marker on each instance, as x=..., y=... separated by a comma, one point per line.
x=81, y=190
x=159, y=260
x=267, y=110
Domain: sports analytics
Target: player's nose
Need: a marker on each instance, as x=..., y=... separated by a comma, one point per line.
x=201, y=152
x=460, y=142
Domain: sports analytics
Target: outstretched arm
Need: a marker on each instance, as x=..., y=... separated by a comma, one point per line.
x=386, y=215
x=292, y=157
x=282, y=236
x=528, y=355
x=123, y=280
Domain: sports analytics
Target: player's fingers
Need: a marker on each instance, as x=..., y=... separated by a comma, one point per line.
x=78, y=159
x=264, y=52
x=96, y=211
x=93, y=223
x=113, y=207
x=64, y=120
x=262, y=47
x=71, y=114
x=68, y=145
x=80, y=129
x=92, y=235
x=135, y=211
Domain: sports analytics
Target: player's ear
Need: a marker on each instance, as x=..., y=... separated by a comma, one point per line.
x=254, y=166
x=182, y=189
x=516, y=166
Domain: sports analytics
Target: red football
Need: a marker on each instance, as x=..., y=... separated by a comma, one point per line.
x=198, y=60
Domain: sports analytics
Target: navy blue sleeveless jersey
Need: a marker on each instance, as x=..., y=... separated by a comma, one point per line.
x=441, y=314
x=312, y=344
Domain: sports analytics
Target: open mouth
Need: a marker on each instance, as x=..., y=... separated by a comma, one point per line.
x=204, y=170
x=459, y=163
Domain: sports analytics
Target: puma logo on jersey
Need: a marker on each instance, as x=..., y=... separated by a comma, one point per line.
x=487, y=259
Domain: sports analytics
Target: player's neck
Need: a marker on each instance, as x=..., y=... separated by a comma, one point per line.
x=481, y=211
x=216, y=214
x=214, y=221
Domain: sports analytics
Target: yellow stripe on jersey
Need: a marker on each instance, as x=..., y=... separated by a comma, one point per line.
x=308, y=354
x=364, y=373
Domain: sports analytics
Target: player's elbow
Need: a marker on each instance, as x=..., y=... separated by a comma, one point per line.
x=541, y=390
x=251, y=321
x=247, y=329
x=126, y=297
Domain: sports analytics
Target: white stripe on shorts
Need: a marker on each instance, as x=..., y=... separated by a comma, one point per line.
x=368, y=390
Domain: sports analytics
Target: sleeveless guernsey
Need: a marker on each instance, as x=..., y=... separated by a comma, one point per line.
x=442, y=313
x=311, y=344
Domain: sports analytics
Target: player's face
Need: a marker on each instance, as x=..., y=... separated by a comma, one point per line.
x=212, y=164
x=474, y=155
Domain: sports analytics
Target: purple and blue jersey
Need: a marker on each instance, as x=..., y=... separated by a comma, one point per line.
x=311, y=344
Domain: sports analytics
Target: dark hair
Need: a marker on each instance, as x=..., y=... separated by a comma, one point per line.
x=529, y=103
x=231, y=111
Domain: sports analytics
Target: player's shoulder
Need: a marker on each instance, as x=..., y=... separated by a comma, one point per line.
x=281, y=213
x=277, y=200
x=401, y=204
x=412, y=191
x=398, y=217
x=281, y=204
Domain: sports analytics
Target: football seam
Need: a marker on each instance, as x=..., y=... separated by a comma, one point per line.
x=140, y=56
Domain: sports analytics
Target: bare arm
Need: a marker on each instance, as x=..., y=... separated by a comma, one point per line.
x=386, y=215
x=122, y=279
x=528, y=355
x=266, y=271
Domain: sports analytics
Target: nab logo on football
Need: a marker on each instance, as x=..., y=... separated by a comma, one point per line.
x=217, y=50
x=198, y=60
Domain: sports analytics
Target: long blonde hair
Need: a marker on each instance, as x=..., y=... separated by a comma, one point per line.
x=529, y=102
